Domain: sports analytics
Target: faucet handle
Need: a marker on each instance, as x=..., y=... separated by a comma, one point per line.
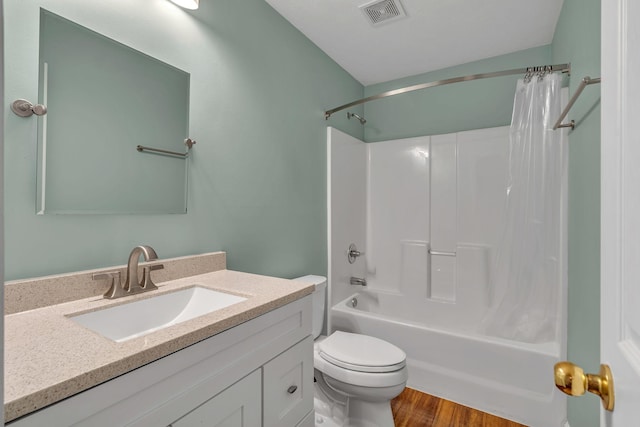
x=147, y=283
x=156, y=266
x=353, y=253
x=115, y=290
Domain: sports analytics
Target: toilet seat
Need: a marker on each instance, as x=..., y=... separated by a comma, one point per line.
x=357, y=378
x=361, y=353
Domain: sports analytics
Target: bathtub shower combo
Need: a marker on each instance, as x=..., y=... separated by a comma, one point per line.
x=440, y=249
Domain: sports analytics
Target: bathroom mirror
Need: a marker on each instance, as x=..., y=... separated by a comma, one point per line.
x=103, y=100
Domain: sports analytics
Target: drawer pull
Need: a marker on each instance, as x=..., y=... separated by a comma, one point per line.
x=292, y=389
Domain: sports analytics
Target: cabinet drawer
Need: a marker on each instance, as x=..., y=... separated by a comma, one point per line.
x=237, y=406
x=288, y=386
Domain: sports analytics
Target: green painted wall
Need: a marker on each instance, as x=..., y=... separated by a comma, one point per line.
x=257, y=183
x=452, y=108
x=577, y=39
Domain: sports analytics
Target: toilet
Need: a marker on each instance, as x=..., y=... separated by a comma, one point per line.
x=356, y=375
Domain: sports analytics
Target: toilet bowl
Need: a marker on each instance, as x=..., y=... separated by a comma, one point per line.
x=356, y=375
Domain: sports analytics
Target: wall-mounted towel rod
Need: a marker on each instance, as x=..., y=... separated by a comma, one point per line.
x=564, y=68
x=586, y=81
x=188, y=142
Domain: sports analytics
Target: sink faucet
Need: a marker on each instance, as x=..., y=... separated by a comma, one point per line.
x=133, y=285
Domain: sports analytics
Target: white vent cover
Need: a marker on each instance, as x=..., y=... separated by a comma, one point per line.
x=382, y=11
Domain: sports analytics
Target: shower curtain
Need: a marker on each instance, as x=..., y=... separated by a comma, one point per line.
x=527, y=262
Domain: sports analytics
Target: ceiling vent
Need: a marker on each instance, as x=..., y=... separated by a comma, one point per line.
x=380, y=12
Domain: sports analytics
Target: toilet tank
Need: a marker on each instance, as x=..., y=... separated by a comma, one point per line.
x=319, y=297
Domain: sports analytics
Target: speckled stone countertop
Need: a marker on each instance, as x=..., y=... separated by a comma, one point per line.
x=48, y=357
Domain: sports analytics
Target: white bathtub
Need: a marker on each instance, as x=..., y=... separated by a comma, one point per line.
x=505, y=378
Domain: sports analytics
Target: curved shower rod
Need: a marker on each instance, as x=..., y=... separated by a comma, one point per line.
x=564, y=68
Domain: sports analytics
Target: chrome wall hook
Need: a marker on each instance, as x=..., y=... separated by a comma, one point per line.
x=24, y=108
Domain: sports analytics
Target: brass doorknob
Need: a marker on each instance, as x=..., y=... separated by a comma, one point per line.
x=572, y=380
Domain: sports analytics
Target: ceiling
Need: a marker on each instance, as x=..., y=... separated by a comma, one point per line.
x=435, y=34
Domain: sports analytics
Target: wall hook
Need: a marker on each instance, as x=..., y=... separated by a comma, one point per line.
x=24, y=108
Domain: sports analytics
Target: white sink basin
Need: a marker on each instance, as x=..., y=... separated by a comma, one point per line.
x=127, y=321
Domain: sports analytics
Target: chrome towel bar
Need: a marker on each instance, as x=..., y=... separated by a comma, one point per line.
x=188, y=142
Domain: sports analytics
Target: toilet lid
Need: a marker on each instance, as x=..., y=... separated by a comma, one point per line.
x=361, y=353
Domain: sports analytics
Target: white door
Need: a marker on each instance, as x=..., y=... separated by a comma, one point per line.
x=620, y=240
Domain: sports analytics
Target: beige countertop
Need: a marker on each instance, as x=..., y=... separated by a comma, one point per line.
x=48, y=357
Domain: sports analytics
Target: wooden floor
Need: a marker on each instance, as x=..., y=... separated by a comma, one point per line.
x=415, y=409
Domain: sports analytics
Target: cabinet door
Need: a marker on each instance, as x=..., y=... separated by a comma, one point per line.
x=240, y=405
x=288, y=385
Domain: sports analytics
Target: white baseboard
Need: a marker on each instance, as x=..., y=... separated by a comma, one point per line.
x=566, y=424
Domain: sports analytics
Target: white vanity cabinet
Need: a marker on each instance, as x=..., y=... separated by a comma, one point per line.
x=278, y=394
x=238, y=406
x=259, y=373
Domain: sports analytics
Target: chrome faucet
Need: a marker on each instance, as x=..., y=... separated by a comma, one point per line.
x=132, y=284
x=358, y=281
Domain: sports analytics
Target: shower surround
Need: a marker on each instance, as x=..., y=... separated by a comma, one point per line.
x=428, y=214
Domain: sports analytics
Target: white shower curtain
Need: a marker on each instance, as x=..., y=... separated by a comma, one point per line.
x=526, y=268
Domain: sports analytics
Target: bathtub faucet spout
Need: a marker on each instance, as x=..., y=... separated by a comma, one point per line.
x=357, y=281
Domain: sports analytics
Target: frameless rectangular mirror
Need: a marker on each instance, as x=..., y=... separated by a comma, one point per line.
x=103, y=100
